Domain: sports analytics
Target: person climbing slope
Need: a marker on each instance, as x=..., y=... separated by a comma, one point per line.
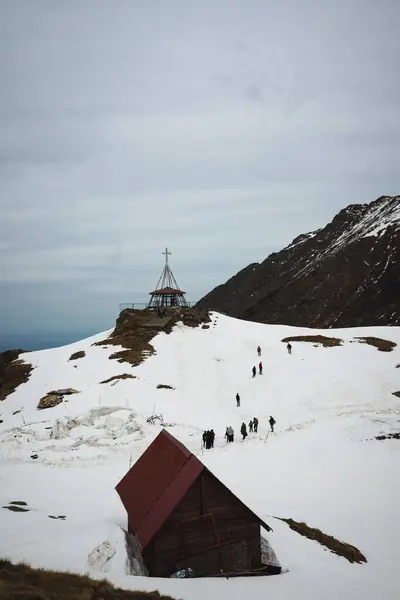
x=260, y=368
x=211, y=438
x=289, y=348
x=230, y=434
x=272, y=423
x=255, y=424
x=208, y=440
x=243, y=431
x=204, y=437
x=250, y=426
x=237, y=399
x=258, y=350
x=254, y=371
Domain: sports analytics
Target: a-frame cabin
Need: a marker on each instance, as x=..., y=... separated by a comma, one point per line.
x=184, y=518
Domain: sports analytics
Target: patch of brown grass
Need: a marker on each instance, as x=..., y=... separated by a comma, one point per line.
x=132, y=334
x=133, y=357
x=378, y=343
x=123, y=376
x=76, y=355
x=164, y=386
x=16, y=508
x=13, y=372
x=323, y=340
x=396, y=394
x=351, y=553
x=21, y=582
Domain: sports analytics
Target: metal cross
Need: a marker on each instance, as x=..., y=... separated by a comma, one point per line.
x=166, y=255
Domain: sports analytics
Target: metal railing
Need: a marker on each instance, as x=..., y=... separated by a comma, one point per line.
x=143, y=305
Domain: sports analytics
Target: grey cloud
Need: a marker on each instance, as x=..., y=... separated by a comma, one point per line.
x=221, y=129
x=254, y=93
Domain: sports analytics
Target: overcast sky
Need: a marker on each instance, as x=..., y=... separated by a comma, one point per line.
x=220, y=128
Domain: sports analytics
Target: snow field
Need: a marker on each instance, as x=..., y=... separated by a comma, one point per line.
x=320, y=466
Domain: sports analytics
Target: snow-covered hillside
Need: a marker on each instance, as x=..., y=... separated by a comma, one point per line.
x=322, y=465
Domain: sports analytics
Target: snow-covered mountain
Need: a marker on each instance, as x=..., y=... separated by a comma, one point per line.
x=346, y=274
x=322, y=465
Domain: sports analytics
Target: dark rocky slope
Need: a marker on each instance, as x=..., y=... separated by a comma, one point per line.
x=13, y=372
x=346, y=274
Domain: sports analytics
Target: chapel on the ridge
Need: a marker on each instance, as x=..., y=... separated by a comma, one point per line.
x=167, y=292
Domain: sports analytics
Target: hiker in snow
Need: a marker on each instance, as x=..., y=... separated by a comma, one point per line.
x=243, y=431
x=255, y=424
x=229, y=433
x=260, y=368
x=250, y=426
x=258, y=350
x=254, y=371
x=272, y=423
x=211, y=437
x=204, y=437
x=207, y=440
x=237, y=400
x=289, y=348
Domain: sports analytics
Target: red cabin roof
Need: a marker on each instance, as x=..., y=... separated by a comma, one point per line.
x=166, y=290
x=156, y=484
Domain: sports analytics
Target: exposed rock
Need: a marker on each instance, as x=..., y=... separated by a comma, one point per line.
x=116, y=377
x=132, y=334
x=76, y=355
x=378, y=343
x=13, y=372
x=164, y=386
x=191, y=317
x=323, y=340
x=15, y=508
x=63, y=392
x=345, y=275
x=389, y=436
x=49, y=401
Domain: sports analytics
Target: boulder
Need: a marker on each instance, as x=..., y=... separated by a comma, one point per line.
x=49, y=401
x=77, y=355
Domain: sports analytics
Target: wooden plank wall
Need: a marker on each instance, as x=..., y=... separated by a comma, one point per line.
x=182, y=536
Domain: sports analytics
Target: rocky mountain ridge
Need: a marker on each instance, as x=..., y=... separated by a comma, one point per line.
x=343, y=275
